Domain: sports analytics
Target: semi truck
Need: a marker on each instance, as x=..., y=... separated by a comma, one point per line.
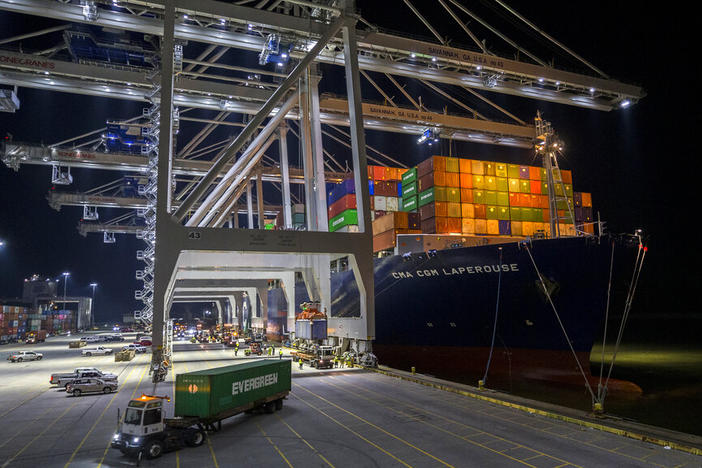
x=319, y=357
x=202, y=400
x=36, y=336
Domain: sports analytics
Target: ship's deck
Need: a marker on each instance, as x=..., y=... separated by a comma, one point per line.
x=333, y=418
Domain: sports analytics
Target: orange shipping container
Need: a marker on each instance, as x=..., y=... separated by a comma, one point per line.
x=454, y=225
x=543, y=201
x=535, y=201
x=587, y=200
x=481, y=226
x=535, y=186
x=465, y=180
x=567, y=176
x=388, y=239
x=466, y=195
x=468, y=226
x=535, y=174
x=513, y=199
x=516, y=228
x=467, y=210
x=493, y=227
x=452, y=179
x=379, y=173
x=527, y=228
x=465, y=166
x=392, y=220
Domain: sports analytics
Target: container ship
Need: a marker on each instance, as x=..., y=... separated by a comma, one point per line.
x=458, y=243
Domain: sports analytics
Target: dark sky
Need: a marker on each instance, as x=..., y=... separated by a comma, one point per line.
x=639, y=163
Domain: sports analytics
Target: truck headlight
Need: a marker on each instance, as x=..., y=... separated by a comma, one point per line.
x=136, y=440
x=115, y=437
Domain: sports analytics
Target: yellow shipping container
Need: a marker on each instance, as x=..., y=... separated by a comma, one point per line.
x=481, y=226
x=467, y=210
x=490, y=183
x=478, y=168
x=454, y=210
x=513, y=185
x=528, y=228
x=501, y=170
x=478, y=181
x=468, y=226
x=493, y=227
x=516, y=228
x=489, y=168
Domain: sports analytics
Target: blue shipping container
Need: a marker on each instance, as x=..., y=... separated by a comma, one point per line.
x=505, y=227
x=311, y=329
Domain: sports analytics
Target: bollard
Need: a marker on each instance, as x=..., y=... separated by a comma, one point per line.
x=481, y=385
x=413, y=370
x=598, y=408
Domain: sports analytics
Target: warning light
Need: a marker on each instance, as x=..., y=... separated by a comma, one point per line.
x=192, y=388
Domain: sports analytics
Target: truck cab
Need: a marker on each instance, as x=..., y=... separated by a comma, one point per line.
x=144, y=430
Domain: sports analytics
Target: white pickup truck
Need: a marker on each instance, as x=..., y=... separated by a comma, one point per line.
x=137, y=348
x=63, y=379
x=96, y=351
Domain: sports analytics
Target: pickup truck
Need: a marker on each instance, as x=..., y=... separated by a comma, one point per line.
x=96, y=351
x=63, y=379
x=137, y=348
x=20, y=356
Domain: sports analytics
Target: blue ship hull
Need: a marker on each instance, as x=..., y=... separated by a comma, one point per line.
x=437, y=312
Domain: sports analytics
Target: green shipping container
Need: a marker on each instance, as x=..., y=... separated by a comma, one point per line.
x=524, y=186
x=209, y=393
x=409, y=189
x=409, y=176
x=492, y=212
x=298, y=218
x=409, y=203
x=344, y=218
x=513, y=171
x=503, y=213
x=515, y=213
x=479, y=197
x=503, y=198
x=502, y=184
x=426, y=197
x=440, y=193
x=453, y=195
x=491, y=197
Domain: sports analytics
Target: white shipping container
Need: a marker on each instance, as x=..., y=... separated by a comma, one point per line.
x=381, y=203
x=393, y=204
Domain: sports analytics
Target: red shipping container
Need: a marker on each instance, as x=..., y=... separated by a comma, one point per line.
x=535, y=201
x=385, y=188
x=466, y=195
x=347, y=202
x=454, y=225
x=432, y=179
x=535, y=174
x=524, y=200
x=414, y=221
x=513, y=199
x=567, y=176
x=433, y=164
x=480, y=211
x=379, y=173
x=535, y=186
x=465, y=166
x=465, y=180
x=545, y=216
x=370, y=171
x=543, y=201
x=433, y=209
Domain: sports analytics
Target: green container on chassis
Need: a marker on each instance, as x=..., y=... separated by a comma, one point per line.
x=208, y=393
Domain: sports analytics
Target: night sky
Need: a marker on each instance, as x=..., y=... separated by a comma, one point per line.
x=639, y=163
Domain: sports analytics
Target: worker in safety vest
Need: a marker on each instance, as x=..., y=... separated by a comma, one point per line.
x=349, y=362
x=300, y=361
x=236, y=348
x=280, y=354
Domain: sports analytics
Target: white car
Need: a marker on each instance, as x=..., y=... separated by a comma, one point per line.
x=90, y=339
x=96, y=351
x=137, y=348
x=25, y=356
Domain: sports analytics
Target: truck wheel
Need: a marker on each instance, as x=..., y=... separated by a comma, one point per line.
x=76, y=392
x=269, y=407
x=154, y=449
x=88, y=354
x=106, y=390
x=39, y=358
x=66, y=386
x=279, y=404
x=194, y=438
x=19, y=359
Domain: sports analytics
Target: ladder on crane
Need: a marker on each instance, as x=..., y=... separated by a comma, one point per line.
x=558, y=202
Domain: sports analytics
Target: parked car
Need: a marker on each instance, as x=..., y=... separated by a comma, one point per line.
x=64, y=379
x=96, y=350
x=81, y=386
x=137, y=348
x=20, y=356
x=126, y=329
x=90, y=338
x=145, y=341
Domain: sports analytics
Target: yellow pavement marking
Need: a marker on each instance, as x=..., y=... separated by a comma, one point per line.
x=23, y=402
x=25, y=427
x=565, y=419
x=274, y=446
x=466, y=438
x=303, y=440
x=104, y=454
x=99, y=418
x=214, y=458
x=378, y=428
x=548, y=414
x=39, y=435
x=353, y=432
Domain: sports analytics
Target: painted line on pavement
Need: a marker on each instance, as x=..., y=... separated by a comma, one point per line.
x=548, y=414
x=354, y=432
x=409, y=444
x=305, y=442
x=271, y=442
